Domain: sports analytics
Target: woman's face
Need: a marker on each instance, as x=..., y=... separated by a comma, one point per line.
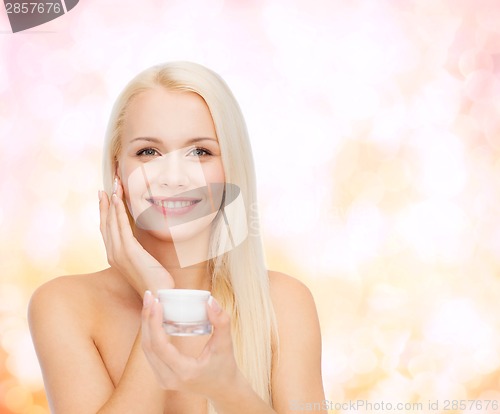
x=170, y=164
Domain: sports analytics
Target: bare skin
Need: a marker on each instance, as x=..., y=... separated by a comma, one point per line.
x=100, y=343
x=84, y=328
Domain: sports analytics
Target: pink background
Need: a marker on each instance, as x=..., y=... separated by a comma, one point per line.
x=376, y=135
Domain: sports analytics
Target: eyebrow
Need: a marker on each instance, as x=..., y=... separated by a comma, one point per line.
x=159, y=141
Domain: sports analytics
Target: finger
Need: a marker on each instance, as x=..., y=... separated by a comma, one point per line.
x=152, y=325
x=148, y=310
x=112, y=227
x=221, y=339
x=121, y=215
x=103, y=219
x=160, y=342
x=103, y=212
x=118, y=187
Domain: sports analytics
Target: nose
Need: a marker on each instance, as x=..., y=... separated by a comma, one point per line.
x=171, y=171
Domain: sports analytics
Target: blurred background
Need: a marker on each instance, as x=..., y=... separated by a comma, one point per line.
x=376, y=135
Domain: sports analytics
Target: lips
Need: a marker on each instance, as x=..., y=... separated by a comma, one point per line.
x=173, y=206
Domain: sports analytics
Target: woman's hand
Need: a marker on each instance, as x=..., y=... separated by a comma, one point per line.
x=123, y=251
x=211, y=374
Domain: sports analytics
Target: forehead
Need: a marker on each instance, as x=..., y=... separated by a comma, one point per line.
x=166, y=114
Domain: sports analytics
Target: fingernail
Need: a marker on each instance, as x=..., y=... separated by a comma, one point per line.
x=147, y=299
x=214, y=304
x=99, y=195
x=115, y=185
x=153, y=308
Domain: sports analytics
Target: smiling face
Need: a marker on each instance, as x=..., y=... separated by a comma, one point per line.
x=170, y=163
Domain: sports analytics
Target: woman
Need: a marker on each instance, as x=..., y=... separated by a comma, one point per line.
x=177, y=161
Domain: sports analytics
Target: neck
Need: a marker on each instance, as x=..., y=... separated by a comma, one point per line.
x=186, y=261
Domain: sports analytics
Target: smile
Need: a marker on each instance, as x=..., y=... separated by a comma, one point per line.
x=174, y=207
x=173, y=204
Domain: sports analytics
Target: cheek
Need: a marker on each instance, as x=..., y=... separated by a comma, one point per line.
x=124, y=177
x=133, y=189
x=214, y=173
x=134, y=183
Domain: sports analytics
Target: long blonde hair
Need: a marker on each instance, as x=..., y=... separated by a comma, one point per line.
x=239, y=277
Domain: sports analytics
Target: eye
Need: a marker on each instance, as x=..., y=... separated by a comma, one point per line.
x=147, y=152
x=200, y=152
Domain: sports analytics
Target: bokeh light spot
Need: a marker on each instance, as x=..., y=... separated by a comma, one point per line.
x=481, y=86
x=363, y=360
x=18, y=399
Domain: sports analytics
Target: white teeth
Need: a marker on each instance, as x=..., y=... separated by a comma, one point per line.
x=173, y=204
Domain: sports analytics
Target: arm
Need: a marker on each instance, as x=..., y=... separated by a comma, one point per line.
x=138, y=391
x=296, y=378
x=239, y=397
x=75, y=377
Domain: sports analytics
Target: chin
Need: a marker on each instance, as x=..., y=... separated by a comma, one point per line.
x=176, y=232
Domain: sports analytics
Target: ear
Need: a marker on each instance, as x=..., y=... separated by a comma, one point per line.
x=117, y=170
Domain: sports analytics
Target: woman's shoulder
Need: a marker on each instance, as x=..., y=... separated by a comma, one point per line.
x=68, y=288
x=290, y=296
x=282, y=285
x=65, y=295
x=299, y=333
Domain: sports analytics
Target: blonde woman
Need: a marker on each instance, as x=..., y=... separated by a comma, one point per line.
x=176, y=156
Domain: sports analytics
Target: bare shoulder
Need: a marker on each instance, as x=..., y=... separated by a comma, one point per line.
x=293, y=305
x=63, y=315
x=299, y=333
x=63, y=286
x=288, y=292
x=64, y=296
x=280, y=280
